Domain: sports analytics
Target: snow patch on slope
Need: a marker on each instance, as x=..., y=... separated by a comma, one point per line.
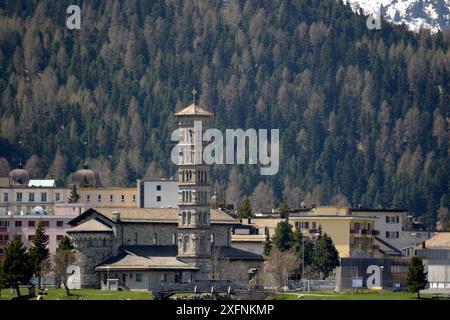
x=415, y=14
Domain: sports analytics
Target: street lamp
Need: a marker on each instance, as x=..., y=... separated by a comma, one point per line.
x=107, y=278
x=381, y=278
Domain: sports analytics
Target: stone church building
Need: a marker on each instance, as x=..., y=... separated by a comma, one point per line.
x=148, y=249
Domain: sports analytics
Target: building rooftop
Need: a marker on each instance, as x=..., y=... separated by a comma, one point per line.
x=378, y=210
x=248, y=237
x=46, y=183
x=440, y=241
x=152, y=215
x=194, y=109
x=162, y=257
x=92, y=225
x=145, y=258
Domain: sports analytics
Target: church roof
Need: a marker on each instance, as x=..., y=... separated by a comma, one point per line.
x=92, y=225
x=194, y=109
x=156, y=257
x=238, y=254
x=151, y=215
x=145, y=258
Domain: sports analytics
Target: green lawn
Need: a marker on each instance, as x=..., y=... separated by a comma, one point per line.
x=83, y=294
x=348, y=296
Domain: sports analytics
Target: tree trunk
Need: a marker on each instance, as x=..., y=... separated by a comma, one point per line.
x=39, y=279
x=17, y=290
x=418, y=294
x=66, y=287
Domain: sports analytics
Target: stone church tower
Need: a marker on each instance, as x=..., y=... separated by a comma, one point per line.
x=194, y=236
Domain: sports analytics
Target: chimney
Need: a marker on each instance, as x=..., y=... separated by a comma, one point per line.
x=116, y=216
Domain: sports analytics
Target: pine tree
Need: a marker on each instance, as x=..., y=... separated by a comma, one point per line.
x=298, y=241
x=282, y=238
x=65, y=244
x=284, y=211
x=416, y=278
x=39, y=252
x=267, y=245
x=245, y=210
x=17, y=267
x=326, y=257
x=74, y=195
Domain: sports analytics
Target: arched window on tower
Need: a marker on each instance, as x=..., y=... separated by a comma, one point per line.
x=183, y=220
x=185, y=243
x=189, y=218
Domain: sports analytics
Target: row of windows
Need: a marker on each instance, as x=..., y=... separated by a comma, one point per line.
x=110, y=198
x=392, y=234
x=124, y=277
x=392, y=219
x=32, y=197
x=31, y=223
x=30, y=237
x=187, y=217
x=188, y=175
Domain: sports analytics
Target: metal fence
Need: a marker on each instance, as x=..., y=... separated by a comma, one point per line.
x=310, y=285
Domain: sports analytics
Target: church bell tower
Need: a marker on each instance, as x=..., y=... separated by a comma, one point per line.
x=194, y=235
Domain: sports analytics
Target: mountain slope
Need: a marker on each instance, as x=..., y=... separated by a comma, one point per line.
x=363, y=116
x=415, y=14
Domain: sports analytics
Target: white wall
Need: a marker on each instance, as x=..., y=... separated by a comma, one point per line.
x=168, y=194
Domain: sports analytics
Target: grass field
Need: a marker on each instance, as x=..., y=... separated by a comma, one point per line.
x=83, y=294
x=349, y=296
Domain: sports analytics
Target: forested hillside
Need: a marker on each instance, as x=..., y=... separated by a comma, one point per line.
x=364, y=115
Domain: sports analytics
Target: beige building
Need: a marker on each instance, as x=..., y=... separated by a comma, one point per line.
x=109, y=197
x=353, y=235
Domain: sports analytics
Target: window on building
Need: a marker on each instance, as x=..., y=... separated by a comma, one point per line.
x=31, y=197
x=111, y=198
x=158, y=187
x=4, y=224
x=134, y=198
x=59, y=237
x=88, y=198
x=138, y=277
x=31, y=224
x=99, y=198
x=19, y=197
x=57, y=196
x=1, y=251
x=46, y=223
x=6, y=197
x=18, y=224
x=122, y=198
x=59, y=224
x=30, y=237
x=158, y=198
x=174, y=238
x=4, y=237
x=44, y=196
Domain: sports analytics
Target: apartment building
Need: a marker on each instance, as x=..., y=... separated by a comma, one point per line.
x=390, y=224
x=353, y=235
x=24, y=225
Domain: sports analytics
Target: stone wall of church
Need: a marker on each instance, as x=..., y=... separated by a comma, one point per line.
x=165, y=234
x=222, y=235
x=149, y=234
x=145, y=280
